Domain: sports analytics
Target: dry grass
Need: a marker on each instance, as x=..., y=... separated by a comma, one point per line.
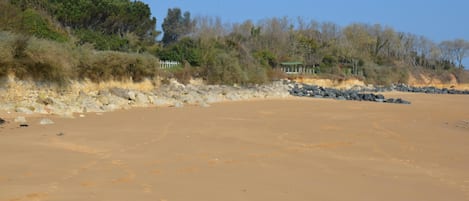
x=89, y=86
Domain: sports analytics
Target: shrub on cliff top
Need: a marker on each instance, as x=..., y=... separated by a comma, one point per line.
x=110, y=65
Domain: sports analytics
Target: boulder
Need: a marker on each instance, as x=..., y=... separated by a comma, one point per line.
x=110, y=107
x=23, y=110
x=204, y=104
x=46, y=122
x=45, y=100
x=178, y=105
x=141, y=99
x=20, y=119
x=122, y=93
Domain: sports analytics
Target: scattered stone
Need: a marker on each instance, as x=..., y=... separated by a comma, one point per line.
x=132, y=95
x=109, y=108
x=24, y=125
x=23, y=110
x=46, y=122
x=60, y=134
x=40, y=109
x=20, y=119
x=2, y=121
x=204, y=104
x=123, y=93
x=178, y=105
x=141, y=99
x=161, y=102
x=45, y=101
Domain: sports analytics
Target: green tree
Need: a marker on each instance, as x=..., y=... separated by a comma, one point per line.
x=185, y=49
x=176, y=25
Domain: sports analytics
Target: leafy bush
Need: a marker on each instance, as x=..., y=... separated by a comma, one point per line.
x=110, y=65
x=266, y=58
x=7, y=41
x=102, y=41
x=225, y=69
x=33, y=23
x=184, y=50
x=45, y=60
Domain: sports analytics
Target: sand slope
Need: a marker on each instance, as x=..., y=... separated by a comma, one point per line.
x=295, y=149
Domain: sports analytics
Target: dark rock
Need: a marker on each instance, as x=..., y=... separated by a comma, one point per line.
x=2, y=121
x=321, y=92
x=428, y=90
x=400, y=101
x=23, y=125
x=341, y=98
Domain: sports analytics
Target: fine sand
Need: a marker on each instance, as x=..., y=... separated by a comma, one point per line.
x=292, y=149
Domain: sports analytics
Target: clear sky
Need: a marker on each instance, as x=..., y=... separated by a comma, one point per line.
x=436, y=19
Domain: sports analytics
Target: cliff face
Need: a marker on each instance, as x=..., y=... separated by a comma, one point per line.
x=418, y=79
x=28, y=98
x=425, y=79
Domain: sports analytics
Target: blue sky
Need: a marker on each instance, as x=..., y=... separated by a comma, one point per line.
x=436, y=19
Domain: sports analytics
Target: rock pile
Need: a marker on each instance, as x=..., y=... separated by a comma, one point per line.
x=66, y=104
x=428, y=90
x=304, y=90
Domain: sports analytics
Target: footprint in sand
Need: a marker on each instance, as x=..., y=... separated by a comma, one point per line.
x=463, y=124
x=37, y=196
x=147, y=188
x=88, y=184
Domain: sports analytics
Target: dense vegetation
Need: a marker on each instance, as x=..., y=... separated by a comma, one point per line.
x=52, y=40
x=251, y=51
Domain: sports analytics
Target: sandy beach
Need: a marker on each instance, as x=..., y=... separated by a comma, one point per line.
x=279, y=149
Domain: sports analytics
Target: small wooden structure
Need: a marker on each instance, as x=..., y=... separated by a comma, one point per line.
x=296, y=67
x=169, y=64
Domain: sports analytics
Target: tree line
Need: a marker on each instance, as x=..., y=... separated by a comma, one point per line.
x=245, y=52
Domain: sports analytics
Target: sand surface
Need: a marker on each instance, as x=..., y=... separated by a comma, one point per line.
x=295, y=149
